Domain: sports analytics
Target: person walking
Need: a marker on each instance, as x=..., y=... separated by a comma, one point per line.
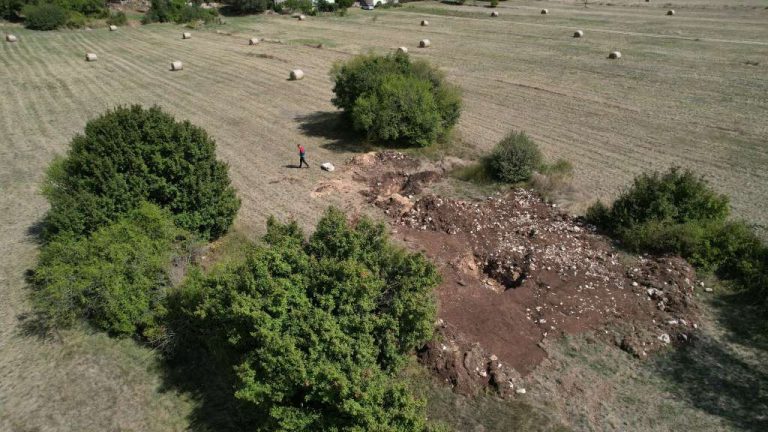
x=302, y=161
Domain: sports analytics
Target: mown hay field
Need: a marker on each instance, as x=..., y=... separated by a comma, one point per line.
x=691, y=89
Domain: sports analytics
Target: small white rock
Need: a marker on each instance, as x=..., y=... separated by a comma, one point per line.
x=520, y=391
x=664, y=338
x=327, y=166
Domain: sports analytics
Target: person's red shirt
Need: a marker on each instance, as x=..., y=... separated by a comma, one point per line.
x=301, y=150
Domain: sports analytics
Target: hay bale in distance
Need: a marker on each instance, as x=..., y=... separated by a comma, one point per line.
x=176, y=66
x=494, y=14
x=302, y=17
x=296, y=74
x=424, y=23
x=614, y=55
x=671, y=12
x=403, y=50
x=424, y=43
x=544, y=11
x=578, y=34
x=186, y=35
x=11, y=38
x=90, y=57
x=253, y=41
x=113, y=28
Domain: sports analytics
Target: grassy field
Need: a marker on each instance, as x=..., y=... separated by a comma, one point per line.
x=682, y=94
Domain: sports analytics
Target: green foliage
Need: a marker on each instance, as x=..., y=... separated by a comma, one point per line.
x=304, y=6
x=325, y=6
x=163, y=11
x=677, y=212
x=131, y=155
x=118, y=19
x=316, y=330
x=674, y=197
x=494, y=3
x=192, y=13
x=401, y=108
x=115, y=278
x=11, y=9
x=44, y=16
x=514, y=158
x=247, y=6
x=368, y=87
x=76, y=20
x=91, y=8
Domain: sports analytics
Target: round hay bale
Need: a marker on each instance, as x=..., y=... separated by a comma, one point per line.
x=253, y=41
x=302, y=17
x=494, y=14
x=186, y=35
x=176, y=66
x=113, y=28
x=11, y=38
x=544, y=11
x=424, y=43
x=578, y=34
x=671, y=12
x=614, y=55
x=424, y=23
x=296, y=74
x=90, y=57
x=403, y=50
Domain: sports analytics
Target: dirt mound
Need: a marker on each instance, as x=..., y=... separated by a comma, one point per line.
x=517, y=271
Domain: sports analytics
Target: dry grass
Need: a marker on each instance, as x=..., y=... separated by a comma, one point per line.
x=683, y=95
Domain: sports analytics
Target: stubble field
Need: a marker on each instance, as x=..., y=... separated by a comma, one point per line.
x=691, y=89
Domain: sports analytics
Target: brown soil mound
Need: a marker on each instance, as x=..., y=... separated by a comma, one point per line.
x=517, y=271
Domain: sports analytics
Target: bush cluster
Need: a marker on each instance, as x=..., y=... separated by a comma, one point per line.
x=678, y=212
x=44, y=16
x=178, y=11
x=118, y=19
x=247, y=6
x=114, y=278
x=131, y=155
x=395, y=100
x=316, y=330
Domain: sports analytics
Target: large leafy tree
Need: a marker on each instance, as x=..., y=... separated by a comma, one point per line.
x=131, y=155
x=316, y=330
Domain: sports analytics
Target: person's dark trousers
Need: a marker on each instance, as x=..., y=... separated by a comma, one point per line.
x=303, y=161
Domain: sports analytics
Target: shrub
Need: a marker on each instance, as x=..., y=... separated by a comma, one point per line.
x=130, y=155
x=325, y=6
x=45, y=16
x=93, y=8
x=317, y=330
x=247, y=6
x=10, y=9
x=76, y=20
x=494, y=3
x=118, y=19
x=367, y=84
x=677, y=212
x=190, y=13
x=304, y=6
x=115, y=278
x=514, y=158
x=674, y=197
x=163, y=11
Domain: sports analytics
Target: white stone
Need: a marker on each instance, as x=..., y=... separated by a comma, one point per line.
x=327, y=166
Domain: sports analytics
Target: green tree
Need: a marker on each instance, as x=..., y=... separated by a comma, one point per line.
x=115, y=278
x=131, y=155
x=44, y=16
x=316, y=330
x=366, y=88
x=247, y=6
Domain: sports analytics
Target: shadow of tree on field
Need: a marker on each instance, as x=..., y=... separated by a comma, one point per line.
x=745, y=321
x=715, y=380
x=332, y=126
x=192, y=370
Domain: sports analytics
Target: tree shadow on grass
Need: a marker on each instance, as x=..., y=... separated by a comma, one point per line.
x=745, y=321
x=716, y=380
x=193, y=371
x=333, y=127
